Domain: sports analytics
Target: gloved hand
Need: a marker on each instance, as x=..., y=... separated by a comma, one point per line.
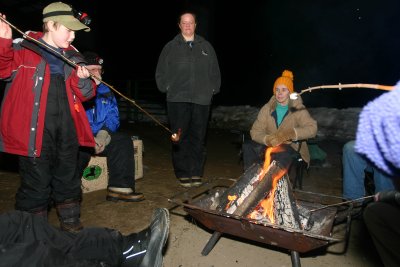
x=281, y=136
x=392, y=196
x=268, y=139
x=102, y=139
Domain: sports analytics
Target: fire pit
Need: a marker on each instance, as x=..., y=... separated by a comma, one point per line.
x=240, y=210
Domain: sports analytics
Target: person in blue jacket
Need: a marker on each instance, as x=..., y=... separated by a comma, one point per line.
x=103, y=116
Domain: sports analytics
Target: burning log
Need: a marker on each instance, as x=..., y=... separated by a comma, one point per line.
x=279, y=207
x=246, y=184
x=265, y=195
x=261, y=189
x=231, y=199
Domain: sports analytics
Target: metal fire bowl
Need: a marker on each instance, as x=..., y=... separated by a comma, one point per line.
x=202, y=209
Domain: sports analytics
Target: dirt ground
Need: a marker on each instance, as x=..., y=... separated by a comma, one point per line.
x=188, y=237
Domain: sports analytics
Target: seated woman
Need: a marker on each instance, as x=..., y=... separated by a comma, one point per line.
x=281, y=122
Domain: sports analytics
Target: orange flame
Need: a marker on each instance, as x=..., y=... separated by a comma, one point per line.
x=268, y=202
x=267, y=161
x=267, y=205
x=231, y=199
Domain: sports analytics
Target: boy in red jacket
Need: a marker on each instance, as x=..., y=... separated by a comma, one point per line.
x=42, y=118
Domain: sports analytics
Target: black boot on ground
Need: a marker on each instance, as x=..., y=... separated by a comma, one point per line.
x=42, y=211
x=144, y=249
x=69, y=213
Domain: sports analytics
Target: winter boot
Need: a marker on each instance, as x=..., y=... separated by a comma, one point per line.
x=69, y=215
x=41, y=211
x=144, y=249
x=123, y=194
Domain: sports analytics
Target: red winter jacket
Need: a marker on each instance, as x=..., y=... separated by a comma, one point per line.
x=25, y=97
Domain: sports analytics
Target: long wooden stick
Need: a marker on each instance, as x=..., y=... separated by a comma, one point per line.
x=353, y=85
x=25, y=36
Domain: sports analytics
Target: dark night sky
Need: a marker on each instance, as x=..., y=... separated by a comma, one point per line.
x=322, y=42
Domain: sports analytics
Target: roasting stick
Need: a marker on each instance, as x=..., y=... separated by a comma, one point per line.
x=174, y=136
x=341, y=203
x=343, y=86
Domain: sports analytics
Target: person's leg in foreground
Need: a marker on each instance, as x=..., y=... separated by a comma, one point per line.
x=28, y=240
x=383, y=221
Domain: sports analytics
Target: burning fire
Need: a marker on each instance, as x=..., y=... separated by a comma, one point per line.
x=267, y=205
x=267, y=161
x=264, y=195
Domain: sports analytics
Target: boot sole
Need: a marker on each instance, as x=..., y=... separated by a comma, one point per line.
x=159, y=232
x=71, y=229
x=116, y=199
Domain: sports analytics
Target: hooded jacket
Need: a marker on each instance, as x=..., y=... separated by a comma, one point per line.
x=24, y=103
x=297, y=118
x=188, y=74
x=103, y=112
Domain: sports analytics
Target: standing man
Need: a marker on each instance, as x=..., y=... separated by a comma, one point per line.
x=188, y=72
x=117, y=146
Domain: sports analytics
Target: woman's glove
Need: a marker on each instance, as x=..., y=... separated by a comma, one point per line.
x=102, y=139
x=281, y=136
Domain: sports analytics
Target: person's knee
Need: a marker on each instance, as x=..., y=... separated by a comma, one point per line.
x=247, y=143
x=247, y=147
x=348, y=148
x=126, y=140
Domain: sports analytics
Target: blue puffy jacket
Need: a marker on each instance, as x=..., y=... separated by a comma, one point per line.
x=103, y=114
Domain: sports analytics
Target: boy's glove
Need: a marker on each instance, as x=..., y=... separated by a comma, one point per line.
x=388, y=196
x=280, y=137
x=102, y=139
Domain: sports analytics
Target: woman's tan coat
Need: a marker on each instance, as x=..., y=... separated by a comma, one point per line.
x=297, y=118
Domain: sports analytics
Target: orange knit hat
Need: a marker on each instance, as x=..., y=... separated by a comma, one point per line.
x=286, y=79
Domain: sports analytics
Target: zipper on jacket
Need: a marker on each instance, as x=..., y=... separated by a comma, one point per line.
x=35, y=78
x=76, y=106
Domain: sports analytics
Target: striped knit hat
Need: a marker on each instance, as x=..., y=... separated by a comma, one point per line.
x=378, y=131
x=286, y=79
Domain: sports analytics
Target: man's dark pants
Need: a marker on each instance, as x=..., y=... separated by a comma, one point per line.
x=189, y=153
x=120, y=160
